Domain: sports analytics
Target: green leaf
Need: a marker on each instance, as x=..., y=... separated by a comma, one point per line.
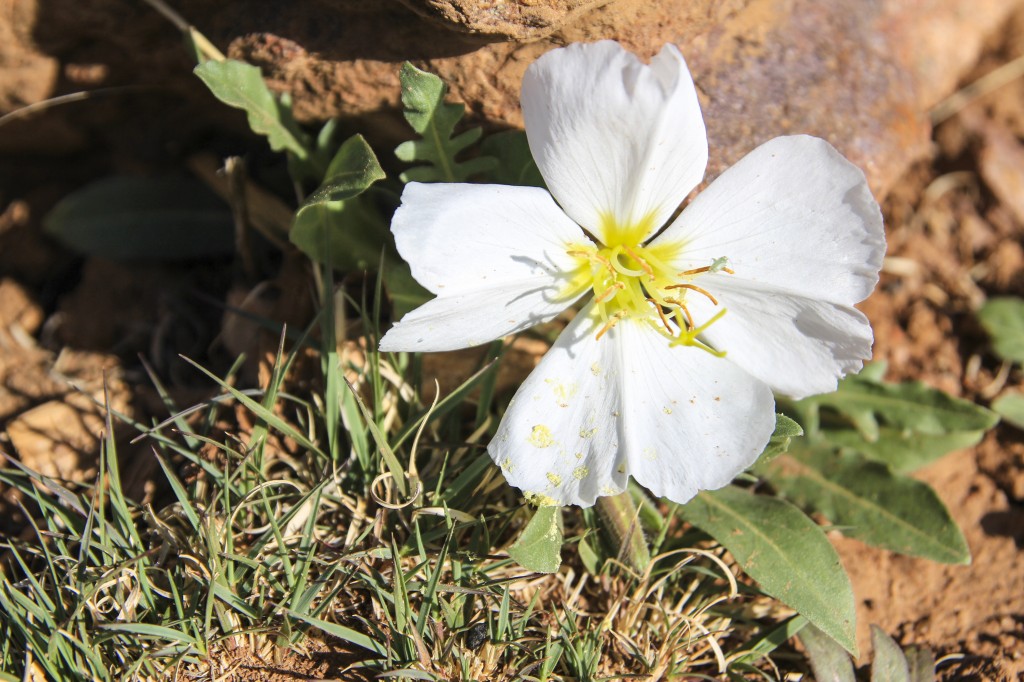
x=148, y=630
x=341, y=224
x=1011, y=408
x=829, y=661
x=539, y=548
x=769, y=642
x=890, y=665
x=910, y=405
x=142, y=218
x=785, y=431
x=870, y=502
x=351, y=172
x=434, y=119
x=922, y=664
x=515, y=164
x=1003, y=319
x=903, y=450
x=241, y=85
x=784, y=551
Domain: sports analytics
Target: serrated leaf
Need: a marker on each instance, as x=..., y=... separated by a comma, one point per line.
x=241, y=85
x=1003, y=319
x=784, y=551
x=515, y=164
x=869, y=502
x=890, y=665
x=1011, y=408
x=910, y=405
x=143, y=218
x=903, y=451
x=539, y=547
x=435, y=120
x=785, y=431
x=829, y=660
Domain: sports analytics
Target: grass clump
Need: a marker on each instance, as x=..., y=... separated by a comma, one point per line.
x=359, y=521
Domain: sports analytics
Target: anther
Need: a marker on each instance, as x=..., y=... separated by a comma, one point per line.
x=640, y=261
x=696, y=288
x=609, y=324
x=686, y=311
x=661, y=314
x=609, y=292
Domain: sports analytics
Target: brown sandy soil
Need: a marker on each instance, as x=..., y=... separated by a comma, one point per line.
x=955, y=228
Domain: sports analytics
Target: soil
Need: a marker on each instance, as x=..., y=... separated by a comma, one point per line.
x=72, y=330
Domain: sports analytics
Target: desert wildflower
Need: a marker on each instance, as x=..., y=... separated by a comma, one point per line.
x=666, y=373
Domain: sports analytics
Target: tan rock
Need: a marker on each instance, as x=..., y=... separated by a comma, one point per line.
x=521, y=21
x=861, y=74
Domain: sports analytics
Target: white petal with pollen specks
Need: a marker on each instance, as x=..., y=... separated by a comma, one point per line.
x=614, y=137
x=597, y=410
x=798, y=345
x=793, y=214
x=496, y=256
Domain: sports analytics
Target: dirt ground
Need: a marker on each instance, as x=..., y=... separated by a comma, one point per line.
x=955, y=225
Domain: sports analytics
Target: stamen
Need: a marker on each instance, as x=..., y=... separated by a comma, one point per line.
x=696, y=288
x=619, y=267
x=686, y=311
x=661, y=314
x=609, y=292
x=611, y=323
x=640, y=261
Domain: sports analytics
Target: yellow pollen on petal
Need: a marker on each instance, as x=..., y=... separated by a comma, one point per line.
x=554, y=478
x=540, y=437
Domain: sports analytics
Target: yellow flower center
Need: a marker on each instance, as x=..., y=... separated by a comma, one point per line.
x=638, y=282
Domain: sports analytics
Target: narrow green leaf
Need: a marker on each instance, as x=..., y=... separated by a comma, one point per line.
x=870, y=502
x=771, y=641
x=539, y=548
x=1011, y=408
x=434, y=119
x=241, y=85
x=341, y=632
x=829, y=661
x=1003, y=319
x=142, y=218
x=148, y=630
x=515, y=161
x=890, y=665
x=910, y=405
x=784, y=551
x=902, y=450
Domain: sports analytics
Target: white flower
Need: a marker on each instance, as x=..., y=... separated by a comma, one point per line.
x=667, y=373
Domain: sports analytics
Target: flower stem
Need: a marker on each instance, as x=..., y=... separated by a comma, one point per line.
x=620, y=520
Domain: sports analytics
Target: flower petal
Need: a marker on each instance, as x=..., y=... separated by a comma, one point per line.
x=620, y=144
x=494, y=255
x=596, y=410
x=793, y=214
x=798, y=345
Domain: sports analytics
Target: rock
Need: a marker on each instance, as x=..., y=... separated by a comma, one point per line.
x=520, y=21
x=862, y=75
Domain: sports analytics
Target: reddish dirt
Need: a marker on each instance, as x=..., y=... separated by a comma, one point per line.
x=955, y=228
